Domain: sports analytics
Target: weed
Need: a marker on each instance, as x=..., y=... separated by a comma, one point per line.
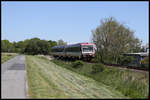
x=77, y=64
x=97, y=68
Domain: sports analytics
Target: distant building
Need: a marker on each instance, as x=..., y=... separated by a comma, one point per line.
x=138, y=57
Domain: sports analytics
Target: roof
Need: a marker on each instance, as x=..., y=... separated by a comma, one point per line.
x=72, y=45
x=61, y=46
x=139, y=54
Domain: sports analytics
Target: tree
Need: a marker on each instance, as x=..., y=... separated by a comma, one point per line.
x=31, y=46
x=6, y=46
x=61, y=42
x=51, y=44
x=112, y=39
x=37, y=46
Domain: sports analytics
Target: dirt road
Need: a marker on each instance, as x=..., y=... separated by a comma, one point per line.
x=72, y=84
x=13, y=81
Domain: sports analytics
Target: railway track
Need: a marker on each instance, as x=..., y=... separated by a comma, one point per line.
x=129, y=67
x=123, y=66
x=119, y=66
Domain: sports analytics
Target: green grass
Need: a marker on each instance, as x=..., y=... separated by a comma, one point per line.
x=131, y=84
x=39, y=84
x=6, y=56
x=48, y=80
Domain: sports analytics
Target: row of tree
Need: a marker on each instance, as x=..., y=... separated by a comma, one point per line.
x=113, y=39
x=30, y=46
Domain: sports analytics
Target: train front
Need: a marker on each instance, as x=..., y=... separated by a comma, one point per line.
x=88, y=51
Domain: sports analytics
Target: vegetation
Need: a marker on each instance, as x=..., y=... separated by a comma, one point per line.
x=61, y=42
x=6, y=46
x=112, y=39
x=145, y=62
x=125, y=60
x=37, y=46
x=30, y=46
x=97, y=68
x=47, y=80
x=77, y=64
x=130, y=83
x=7, y=56
x=40, y=86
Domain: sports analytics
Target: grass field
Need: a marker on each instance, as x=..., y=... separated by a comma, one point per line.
x=130, y=83
x=48, y=80
x=6, y=56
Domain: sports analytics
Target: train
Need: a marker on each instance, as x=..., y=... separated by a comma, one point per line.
x=84, y=51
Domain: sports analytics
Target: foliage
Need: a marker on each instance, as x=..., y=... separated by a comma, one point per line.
x=6, y=46
x=29, y=46
x=97, y=68
x=77, y=64
x=112, y=39
x=37, y=46
x=51, y=44
x=145, y=62
x=125, y=60
x=61, y=42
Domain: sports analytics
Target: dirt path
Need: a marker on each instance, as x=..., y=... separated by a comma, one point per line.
x=74, y=85
x=13, y=80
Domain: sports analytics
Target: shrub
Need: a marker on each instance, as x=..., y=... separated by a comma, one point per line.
x=95, y=60
x=145, y=62
x=77, y=64
x=97, y=68
x=124, y=60
x=9, y=55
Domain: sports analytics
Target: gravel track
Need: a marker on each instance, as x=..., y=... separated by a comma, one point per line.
x=14, y=78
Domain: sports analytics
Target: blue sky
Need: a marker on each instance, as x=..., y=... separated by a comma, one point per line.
x=70, y=21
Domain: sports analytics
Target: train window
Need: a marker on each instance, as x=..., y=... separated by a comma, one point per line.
x=73, y=49
x=58, y=49
x=87, y=48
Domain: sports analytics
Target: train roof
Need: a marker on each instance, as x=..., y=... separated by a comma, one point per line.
x=139, y=54
x=72, y=45
x=60, y=46
x=79, y=44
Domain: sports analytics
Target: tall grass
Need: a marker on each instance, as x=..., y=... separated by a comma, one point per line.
x=131, y=84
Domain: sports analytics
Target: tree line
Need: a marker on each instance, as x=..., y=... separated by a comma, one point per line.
x=31, y=46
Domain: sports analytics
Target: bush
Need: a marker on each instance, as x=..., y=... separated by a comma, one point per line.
x=97, y=68
x=124, y=60
x=95, y=60
x=145, y=62
x=9, y=54
x=77, y=64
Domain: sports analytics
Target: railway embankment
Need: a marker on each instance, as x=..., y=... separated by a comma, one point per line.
x=48, y=80
x=133, y=84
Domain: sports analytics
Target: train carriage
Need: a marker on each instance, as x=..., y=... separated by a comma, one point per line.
x=79, y=51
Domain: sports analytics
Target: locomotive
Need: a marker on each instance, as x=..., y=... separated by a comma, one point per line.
x=85, y=51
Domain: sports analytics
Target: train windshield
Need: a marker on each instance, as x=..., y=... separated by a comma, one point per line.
x=87, y=48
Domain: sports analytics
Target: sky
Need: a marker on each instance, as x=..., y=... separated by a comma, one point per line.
x=72, y=22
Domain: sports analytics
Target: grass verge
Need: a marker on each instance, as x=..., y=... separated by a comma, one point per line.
x=47, y=80
x=131, y=84
x=39, y=84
